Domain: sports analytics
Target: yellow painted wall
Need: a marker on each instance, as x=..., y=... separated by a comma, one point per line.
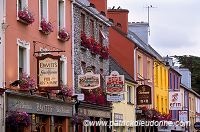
x=125, y=108
x=161, y=97
x=192, y=110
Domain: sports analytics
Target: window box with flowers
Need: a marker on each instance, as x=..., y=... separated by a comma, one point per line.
x=25, y=16
x=46, y=27
x=84, y=41
x=17, y=121
x=26, y=83
x=63, y=35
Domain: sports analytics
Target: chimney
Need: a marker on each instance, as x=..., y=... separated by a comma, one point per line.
x=120, y=17
x=101, y=6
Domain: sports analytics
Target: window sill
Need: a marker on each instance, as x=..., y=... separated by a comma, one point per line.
x=22, y=21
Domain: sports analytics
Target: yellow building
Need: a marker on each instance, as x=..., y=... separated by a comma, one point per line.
x=125, y=110
x=161, y=87
x=192, y=110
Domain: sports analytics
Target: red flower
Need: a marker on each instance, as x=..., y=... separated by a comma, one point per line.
x=46, y=26
x=26, y=16
x=63, y=34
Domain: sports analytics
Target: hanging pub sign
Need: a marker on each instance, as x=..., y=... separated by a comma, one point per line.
x=48, y=67
x=114, y=83
x=89, y=80
x=175, y=101
x=143, y=94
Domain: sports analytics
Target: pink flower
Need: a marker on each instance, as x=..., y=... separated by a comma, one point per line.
x=46, y=26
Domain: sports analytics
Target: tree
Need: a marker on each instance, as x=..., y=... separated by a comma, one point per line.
x=193, y=64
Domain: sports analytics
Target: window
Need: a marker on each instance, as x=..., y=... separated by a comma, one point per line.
x=129, y=94
x=92, y=28
x=61, y=14
x=139, y=66
x=43, y=4
x=83, y=67
x=175, y=81
x=156, y=74
x=63, y=70
x=162, y=105
x=129, y=129
x=82, y=22
x=21, y=4
x=149, y=70
x=23, y=57
x=161, y=78
x=166, y=105
x=158, y=103
x=170, y=80
x=100, y=35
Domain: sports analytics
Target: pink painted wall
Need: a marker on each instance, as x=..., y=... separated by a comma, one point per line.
x=31, y=33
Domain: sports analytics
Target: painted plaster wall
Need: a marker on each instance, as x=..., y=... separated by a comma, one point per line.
x=31, y=33
x=1, y=44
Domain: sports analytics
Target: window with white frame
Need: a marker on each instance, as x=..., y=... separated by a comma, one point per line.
x=43, y=9
x=149, y=70
x=23, y=57
x=63, y=70
x=129, y=94
x=140, y=67
x=61, y=14
x=21, y=4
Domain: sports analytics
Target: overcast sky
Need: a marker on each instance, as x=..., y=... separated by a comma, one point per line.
x=174, y=24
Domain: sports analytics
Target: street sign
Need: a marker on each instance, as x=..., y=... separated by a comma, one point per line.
x=114, y=98
x=80, y=97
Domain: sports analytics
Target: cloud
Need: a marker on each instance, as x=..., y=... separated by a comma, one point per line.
x=174, y=24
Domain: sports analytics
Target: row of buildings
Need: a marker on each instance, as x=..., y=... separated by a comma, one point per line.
x=77, y=36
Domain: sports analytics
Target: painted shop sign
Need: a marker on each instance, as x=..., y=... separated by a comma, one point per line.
x=118, y=117
x=114, y=83
x=89, y=80
x=175, y=101
x=114, y=98
x=183, y=115
x=38, y=106
x=48, y=70
x=143, y=94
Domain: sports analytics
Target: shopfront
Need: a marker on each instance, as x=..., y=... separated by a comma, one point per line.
x=46, y=114
x=95, y=113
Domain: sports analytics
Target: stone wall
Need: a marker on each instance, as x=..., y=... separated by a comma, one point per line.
x=85, y=55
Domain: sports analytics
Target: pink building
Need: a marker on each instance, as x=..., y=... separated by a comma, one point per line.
x=30, y=26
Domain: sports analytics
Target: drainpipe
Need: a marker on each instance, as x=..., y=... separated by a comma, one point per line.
x=72, y=39
x=4, y=63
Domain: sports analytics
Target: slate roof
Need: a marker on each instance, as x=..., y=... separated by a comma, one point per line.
x=114, y=66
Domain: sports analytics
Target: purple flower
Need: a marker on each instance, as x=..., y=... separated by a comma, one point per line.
x=46, y=26
x=63, y=35
x=26, y=82
x=26, y=16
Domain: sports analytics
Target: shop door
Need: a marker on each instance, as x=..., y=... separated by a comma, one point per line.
x=41, y=123
x=58, y=124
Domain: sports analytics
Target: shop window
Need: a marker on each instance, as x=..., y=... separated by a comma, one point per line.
x=161, y=78
x=61, y=14
x=92, y=28
x=101, y=35
x=23, y=57
x=63, y=70
x=43, y=9
x=82, y=22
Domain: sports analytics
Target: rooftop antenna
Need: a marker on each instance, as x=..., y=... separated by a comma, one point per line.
x=148, y=8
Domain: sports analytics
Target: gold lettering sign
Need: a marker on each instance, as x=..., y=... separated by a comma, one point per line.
x=89, y=81
x=48, y=72
x=143, y=93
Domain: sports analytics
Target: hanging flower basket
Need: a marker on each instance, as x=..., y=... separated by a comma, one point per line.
x=25, y=16
x=46, y=27
x=26, y=82
x=63, y=35
x=16, y=119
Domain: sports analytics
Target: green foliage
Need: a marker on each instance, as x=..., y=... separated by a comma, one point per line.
x=193, y=64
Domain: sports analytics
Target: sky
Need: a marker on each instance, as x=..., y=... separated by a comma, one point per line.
x=174, y=24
